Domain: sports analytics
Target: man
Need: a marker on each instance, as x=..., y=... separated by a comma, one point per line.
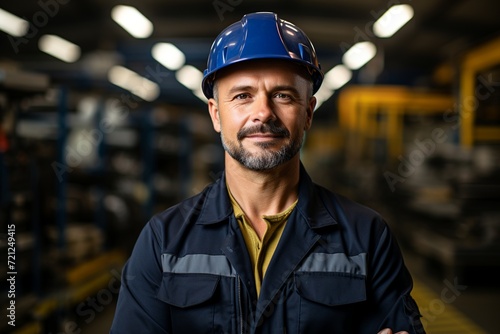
x=264, y=249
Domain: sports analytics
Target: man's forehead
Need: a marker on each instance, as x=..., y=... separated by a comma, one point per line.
x=255, y=68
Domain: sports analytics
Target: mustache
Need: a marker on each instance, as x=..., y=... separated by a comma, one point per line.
x=263, y=128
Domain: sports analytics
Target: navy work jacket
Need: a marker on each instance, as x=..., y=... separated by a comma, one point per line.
x=336, y=269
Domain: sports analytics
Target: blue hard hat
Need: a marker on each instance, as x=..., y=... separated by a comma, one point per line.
x=261, y=35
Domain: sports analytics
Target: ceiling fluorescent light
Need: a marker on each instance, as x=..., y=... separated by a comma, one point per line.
x=190, y=77
x=133, y=82
x=337, y=77
x=168, y=55
x=199, y=94
x=359, y=54
x=13, y=25
x=59, y=48
x=322, y=95
x=130, y=19
x=392, y=20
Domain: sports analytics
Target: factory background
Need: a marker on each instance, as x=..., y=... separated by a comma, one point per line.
x=103, y=124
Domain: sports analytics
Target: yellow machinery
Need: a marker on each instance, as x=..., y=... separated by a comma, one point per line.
x=482, y=58
x=368, y=112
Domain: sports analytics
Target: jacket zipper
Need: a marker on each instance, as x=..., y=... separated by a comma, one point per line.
x=240, y=305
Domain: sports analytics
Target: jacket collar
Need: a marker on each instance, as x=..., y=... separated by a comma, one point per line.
x=218, y=208
x=311, y=205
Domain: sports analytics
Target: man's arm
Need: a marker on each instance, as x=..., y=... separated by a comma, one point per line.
x=138, y=310
x=389, y=287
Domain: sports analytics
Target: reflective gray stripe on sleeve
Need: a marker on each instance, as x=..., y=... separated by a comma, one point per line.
x=197, y=264
x=339, y=262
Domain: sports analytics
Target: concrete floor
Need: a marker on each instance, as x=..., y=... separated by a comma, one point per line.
x=472, y=304
x=102, y=322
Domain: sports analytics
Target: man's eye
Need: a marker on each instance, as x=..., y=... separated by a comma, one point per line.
x=241, y=96
x=282, y=96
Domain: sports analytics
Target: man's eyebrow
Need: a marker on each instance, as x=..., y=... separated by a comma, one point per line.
x=240, y=88
x=286, y=88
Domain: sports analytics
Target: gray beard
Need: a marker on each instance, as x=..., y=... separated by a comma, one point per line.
x=265, y=160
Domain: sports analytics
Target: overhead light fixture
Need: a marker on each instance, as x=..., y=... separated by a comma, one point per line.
x=59, y=48
x=337, y=77
x=199, y=94
x=134, y=83
x=190, y=77
x=168, y=55
x=130, y=19
x=13, y=25
x=359, y=54
x=322, y=95
x=392, y=20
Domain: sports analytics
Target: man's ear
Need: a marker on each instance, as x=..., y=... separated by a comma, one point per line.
x=213, y=110
x=310, y=112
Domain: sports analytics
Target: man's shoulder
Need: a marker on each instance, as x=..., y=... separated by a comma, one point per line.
x=345, y=206
x=186, y=208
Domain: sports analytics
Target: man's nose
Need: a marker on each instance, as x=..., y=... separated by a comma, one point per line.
x=263, y=109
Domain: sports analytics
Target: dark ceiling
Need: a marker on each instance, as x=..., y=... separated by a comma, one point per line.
x=440, y=31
